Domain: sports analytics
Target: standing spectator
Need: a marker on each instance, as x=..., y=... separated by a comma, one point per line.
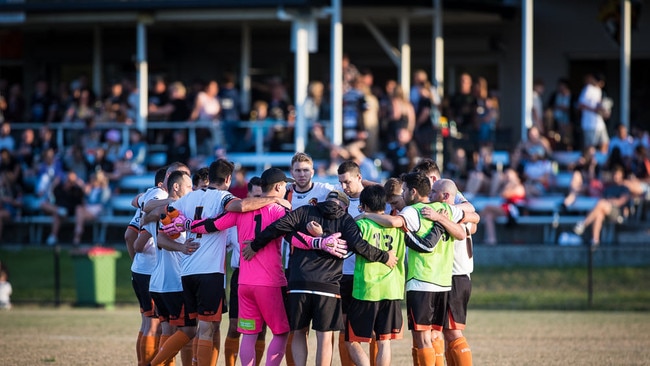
x=114, y=106
x=486, y=113
x=420, y=80
x=425, y=133
x=158, y=101
x=6, y=139
x=537, y=113
x=97, y=193
x=403, y=114
x=68, y=194
x=401, y=154
x=594, y=112
x=350, y=72
x=560, y=104
x=386, y=112
x=624, y=142
x=230, y=111
x=317, y=109
x=15, y=105
x=43, y=106
x=354, y=107
x=461, y=105
x=206, y=109
x=611, y=206
x=283, y=112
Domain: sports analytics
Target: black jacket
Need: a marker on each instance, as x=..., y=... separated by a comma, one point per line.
x=316, y=270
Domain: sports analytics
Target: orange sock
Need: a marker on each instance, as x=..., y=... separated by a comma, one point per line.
x=439, y=348
x=260, y=346
x=373, y=350
x=448, y=357
x=216, y=345
x=187, y=354
x=460, y=352
x=288, y=356
x=414, y=354
x=343, y=351
x=170, y=348
x=137, y=347
x=231, y=350
x=426, y=356
x=161, y=341
x=147, y=349
x=204, y=352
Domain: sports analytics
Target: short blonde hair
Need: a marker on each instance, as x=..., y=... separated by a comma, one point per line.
x=301, y=157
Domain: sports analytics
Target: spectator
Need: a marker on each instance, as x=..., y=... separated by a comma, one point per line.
x=425, y=134
x=585, y=179
x=179, y=149
x=354, y=107
x=68, y=194
x=560, y=105
x=420, y=81
x=461, y=105
x=317, y=109
x=594, y=113
x=14, y=110
x=82, y=109
x=43, y=106
x=485, y=176
x=7, y=141
x=114, y=105
x=486, y=113
x=386, y=112
x=97, y=194
x=133, y=157
x=625, y=143
x=403, y=115
x=230, y=111
x=350, y=72
x=10, y=198
x=534, y=145
x=159, y=104
x=402, y=154
x=26, y=149
x=282, y=112
x=46, y=140
x=206, y=109
x=370, y=115
x=50, y=170
x=513, y=193
x=537, y=113
x=5, y=290
x=611, y=206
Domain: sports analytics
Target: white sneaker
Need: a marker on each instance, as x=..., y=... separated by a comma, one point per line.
x=51, y=240
x=579, y=228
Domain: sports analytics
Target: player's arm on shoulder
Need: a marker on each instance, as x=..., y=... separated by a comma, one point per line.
x=154, y=204
x=254, y=203
x=454, y=229
x=141, y=242
x=167, y=243
x=154, y=214
x=214, y=224
x=383, y=220
x=427, y=243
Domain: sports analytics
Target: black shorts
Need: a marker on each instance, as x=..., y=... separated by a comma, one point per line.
x=324, y=312
x=233, y=301
x=461, y=289
x=204, y=296
x=426, y=310
x=171, y=309
x=384, y=317
x=140, y=283
x=346, y=292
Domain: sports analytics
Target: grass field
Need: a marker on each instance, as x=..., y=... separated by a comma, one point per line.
x=70, y=336
x=518, y=316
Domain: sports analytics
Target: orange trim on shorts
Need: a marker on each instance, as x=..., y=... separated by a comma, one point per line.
x=355, y=338
x=216, y=317
x=452, y=324
x=394, y=334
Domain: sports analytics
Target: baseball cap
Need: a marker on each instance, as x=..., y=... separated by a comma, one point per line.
x=339, y=196
x=274, y=175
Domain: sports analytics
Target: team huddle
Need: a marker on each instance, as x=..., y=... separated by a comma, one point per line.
x=304, y=254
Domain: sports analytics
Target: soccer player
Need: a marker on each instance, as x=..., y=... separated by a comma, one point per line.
x=457, y=351
x=374, y=310
x=314, y=292
x=165, y=284
x=262, y=278
x=429, y=274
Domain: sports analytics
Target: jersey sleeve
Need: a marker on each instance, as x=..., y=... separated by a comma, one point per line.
x=411, y=217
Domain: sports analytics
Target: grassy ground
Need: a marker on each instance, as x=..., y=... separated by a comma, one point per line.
x=33, y=277
x=70, y=336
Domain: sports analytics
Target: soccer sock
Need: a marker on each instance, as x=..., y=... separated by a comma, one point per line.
x=414, y=354
x=343, y=351
x=187, y=354
x=147, y=348
x=247, y=349
x=373, y=350
x=216, y=344
x=260, y=345
x=163, y=338
x=195, y=349
x=439, y=348
x=204, y=352
x=276, y=349
x=137, y=347
x=426, y=356
x=448, y=357
x=170, y=348
x=460, y=352
x=231, y=349
x=287, y=351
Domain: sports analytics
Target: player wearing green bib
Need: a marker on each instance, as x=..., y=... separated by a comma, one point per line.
x=374, y=310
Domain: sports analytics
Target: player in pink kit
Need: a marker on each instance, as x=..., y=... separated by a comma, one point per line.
x=261, y=280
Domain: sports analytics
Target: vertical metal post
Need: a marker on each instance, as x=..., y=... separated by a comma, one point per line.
x=405, y=51
x=438, y=72
x=97, y=61
x=337, y=73
x=143, y=76
x=626, y=51
x=245, y=65
x=301, y=29
x=526, y=67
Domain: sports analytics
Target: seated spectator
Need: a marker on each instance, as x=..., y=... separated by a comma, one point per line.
x=485, y=177
x=50, y=170
x=132, y=158
x=624, y=142
x=10, y=198
x=538, y=175
x=114, y=108
x=68, y=194
x=6, y=140
x=402, y=154
x=82, y=109
x=585, y=179
x=535, y=145
x=513, y=193
x=179, y=148
x=97, y=194
x=639, y=181
x=612, y=206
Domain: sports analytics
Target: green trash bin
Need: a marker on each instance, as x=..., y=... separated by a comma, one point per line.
x=94, y=270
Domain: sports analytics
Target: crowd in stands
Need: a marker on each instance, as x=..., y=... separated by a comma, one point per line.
x=384, y=129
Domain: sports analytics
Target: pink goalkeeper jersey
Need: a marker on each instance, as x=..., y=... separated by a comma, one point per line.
x=265, y=269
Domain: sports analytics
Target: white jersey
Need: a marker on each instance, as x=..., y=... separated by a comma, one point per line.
x=210, y=257
x=463, y=262
x=353, y=210
x=233, y=246
x=144, y=262
x=166, y=276
x=412, y=218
